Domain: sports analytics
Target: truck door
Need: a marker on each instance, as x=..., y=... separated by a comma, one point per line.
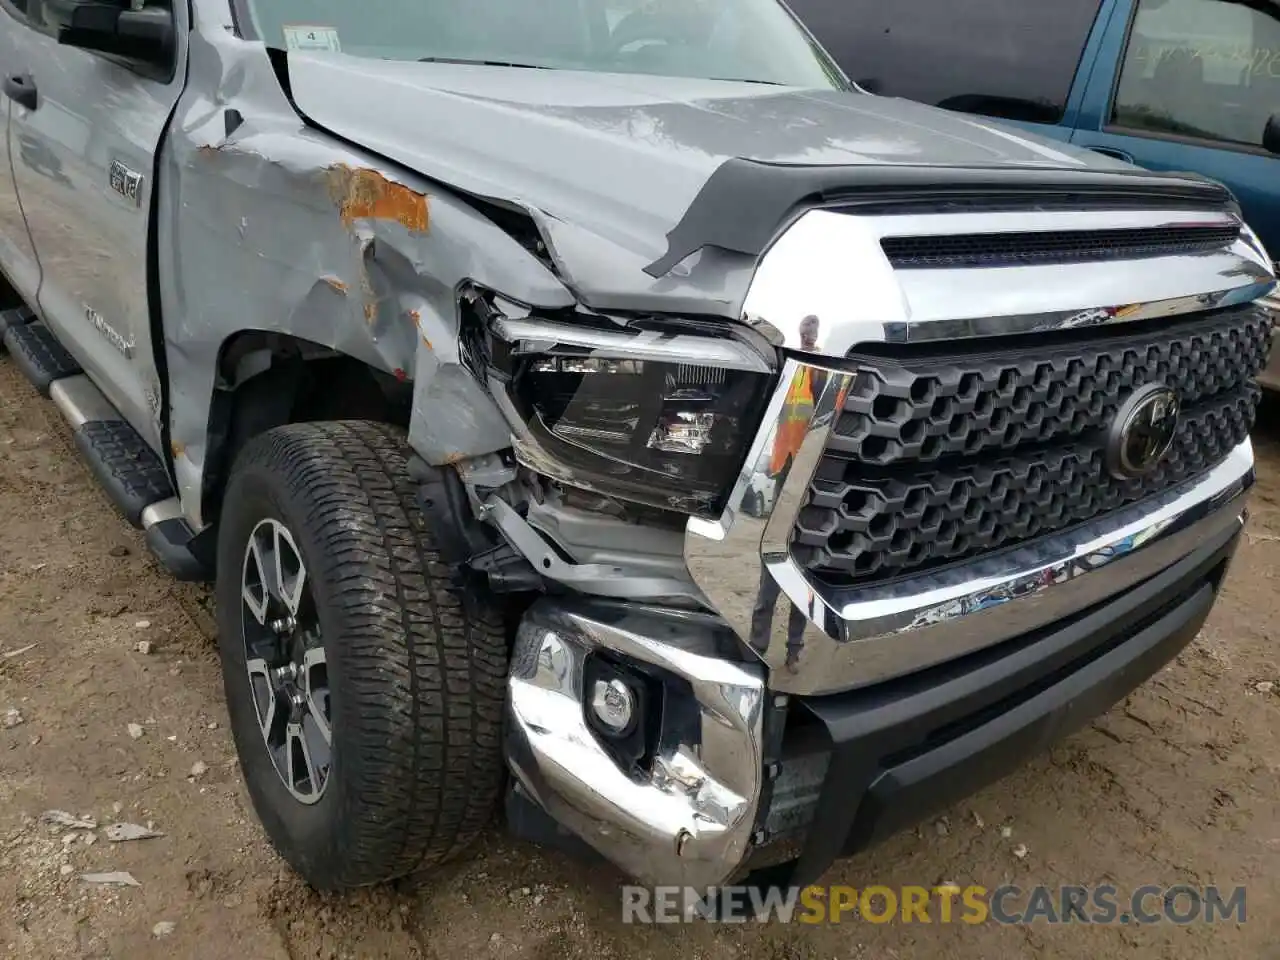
x=1191, y=85
x=84, y=141
x=17, y=254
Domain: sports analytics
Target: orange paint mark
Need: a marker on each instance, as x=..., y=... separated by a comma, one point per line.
x=416, y=317
x=368, y=195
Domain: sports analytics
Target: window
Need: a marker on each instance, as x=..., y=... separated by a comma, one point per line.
x=1005, y=58
x=1202, y=68
x=751, y=40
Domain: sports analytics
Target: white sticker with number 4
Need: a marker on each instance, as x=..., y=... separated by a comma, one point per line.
x=304, y=37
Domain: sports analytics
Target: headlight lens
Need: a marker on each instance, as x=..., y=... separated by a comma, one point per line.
x=648, y=416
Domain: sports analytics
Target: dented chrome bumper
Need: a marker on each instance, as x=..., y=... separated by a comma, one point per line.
x=683, y=815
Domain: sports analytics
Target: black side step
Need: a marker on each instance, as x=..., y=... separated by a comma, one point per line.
x=132, y=474
x=174, y=547
x=17, y=317
x=39, y=355
x=127, y=468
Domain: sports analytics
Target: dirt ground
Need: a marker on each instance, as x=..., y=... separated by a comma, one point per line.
x=1178, y=784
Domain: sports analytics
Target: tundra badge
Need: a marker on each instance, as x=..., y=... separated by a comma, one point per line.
x=126, y=182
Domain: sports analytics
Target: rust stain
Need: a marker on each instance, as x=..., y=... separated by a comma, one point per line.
x=336, y=284
x=178, y=449
x=370, y=312
x=452, y=458
x=416, y=317
x=367, y=195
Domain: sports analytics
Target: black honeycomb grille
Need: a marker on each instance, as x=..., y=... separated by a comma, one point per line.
x=1021, y=249
x=1028, y=460
x=925, y=408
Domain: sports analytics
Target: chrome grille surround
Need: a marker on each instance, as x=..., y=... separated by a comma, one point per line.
x=830, y=264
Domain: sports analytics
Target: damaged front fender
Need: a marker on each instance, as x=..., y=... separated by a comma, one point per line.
x=265, y=224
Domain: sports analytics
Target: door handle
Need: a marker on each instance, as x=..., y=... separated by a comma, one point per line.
x=1113, y=153
x=21, y=88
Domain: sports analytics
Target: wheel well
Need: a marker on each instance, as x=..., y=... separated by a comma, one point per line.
x=267, y=380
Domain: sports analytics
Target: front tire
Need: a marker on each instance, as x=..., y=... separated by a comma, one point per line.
x=365, y=681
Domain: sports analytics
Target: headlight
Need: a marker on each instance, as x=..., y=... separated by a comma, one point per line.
x=656, y=415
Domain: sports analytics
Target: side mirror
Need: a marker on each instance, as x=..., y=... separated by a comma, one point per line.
x=1271, y=135
x=114, y=26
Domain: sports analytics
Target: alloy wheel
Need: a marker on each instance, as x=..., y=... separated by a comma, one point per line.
x=285, y=659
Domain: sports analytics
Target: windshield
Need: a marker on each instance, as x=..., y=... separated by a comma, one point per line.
x=751, y=40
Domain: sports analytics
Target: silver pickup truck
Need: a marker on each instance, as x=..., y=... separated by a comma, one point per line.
x=601, y=410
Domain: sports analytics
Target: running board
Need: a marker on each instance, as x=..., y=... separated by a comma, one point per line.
x=17, y=317
x=130, y=472
x=39, y=354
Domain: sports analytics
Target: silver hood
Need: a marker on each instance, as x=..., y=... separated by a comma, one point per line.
x=607, y=164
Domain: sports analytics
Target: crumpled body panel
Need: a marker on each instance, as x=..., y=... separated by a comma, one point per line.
x=268, y=225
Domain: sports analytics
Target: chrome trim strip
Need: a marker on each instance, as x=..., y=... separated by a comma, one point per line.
x=542, y=337
x=689, y=820
x=830, y=265
x=161, y=511
x=80, y=402
x=819, y=639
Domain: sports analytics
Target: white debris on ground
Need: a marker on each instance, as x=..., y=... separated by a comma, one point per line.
x=63, y=819
x=198, y=769
x=163, y=929
x=12, y=718
x=135, y=730
x=124, y=832
x=114, y=878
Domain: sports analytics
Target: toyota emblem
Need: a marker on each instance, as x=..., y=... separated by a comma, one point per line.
x=1142, y=431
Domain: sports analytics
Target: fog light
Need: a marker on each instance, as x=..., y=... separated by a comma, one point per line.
x=614, y=705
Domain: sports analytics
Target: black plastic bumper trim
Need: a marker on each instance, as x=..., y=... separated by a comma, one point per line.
x=908, y=748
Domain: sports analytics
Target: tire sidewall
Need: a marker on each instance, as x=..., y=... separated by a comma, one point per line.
x=256, y=494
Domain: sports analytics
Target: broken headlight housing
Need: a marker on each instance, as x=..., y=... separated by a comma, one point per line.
x=656, y=414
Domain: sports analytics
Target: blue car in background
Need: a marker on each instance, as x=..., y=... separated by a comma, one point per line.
x=1165, y=84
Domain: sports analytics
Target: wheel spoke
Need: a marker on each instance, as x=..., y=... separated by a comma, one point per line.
x=254, y=585
x=290, y=572
x=302, y=768
x=266, y=699
x=316, y=689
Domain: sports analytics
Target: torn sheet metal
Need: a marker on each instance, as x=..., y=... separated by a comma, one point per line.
x=280, y=228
